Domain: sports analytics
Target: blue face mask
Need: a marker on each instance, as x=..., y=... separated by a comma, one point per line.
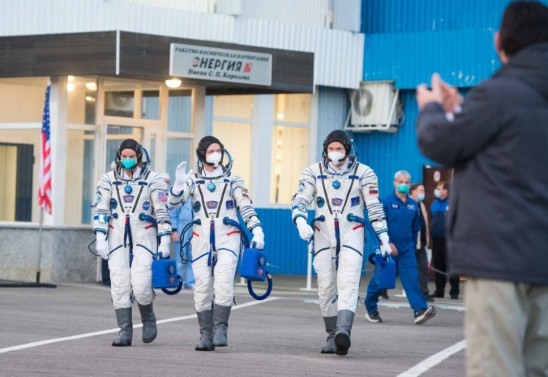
x=437, y=193
x=402, y=188
x=420, y=197
x=128, y=163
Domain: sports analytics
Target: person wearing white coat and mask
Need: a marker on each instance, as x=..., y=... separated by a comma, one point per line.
x=217, y=197
x=129, y=217
x=338, y=186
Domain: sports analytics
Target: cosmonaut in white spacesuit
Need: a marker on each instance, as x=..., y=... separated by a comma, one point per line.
x=129, y=216
x=217, y=194
x=337, y=186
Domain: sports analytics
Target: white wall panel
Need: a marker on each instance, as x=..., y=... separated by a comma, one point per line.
x=338, y=54
x=314, y=13
x=27, y=17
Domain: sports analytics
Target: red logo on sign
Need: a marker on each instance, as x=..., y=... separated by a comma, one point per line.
x=247, y=67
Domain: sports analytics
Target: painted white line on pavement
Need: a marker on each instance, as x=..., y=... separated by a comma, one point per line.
x=89, y=335
x=433, y=360
x=456, y=306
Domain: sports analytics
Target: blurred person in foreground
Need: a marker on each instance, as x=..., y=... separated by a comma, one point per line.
x=497, y=222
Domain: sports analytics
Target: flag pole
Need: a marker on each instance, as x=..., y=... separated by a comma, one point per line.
x=39, y=258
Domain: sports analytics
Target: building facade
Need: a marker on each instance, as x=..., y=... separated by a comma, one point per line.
x=108, y=62
x=120, y=68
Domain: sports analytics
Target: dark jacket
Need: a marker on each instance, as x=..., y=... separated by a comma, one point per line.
x=439, y=210
x=498, y=145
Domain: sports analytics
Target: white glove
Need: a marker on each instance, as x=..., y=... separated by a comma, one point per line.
x=305, y=231
x=385, y=244
x=101, y=245
x=181, y=176
x=258, y=238
x=164, y=248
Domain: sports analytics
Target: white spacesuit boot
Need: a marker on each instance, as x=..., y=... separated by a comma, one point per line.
x=221, y=314
x=205, y=319
x=330, y=327
x=149, y=323
x=125, y=322
x=345, y=318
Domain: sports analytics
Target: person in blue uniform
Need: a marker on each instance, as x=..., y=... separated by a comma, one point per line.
x=403, y=220
x=180, y=217
x=439, y=209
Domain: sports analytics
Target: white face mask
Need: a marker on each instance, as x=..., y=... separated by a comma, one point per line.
x=437, y=193
x=336, y=156
x=214, y=158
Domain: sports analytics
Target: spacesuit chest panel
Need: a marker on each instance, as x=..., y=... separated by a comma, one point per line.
x=212, y=197
x=338, y=193
x=130, y=197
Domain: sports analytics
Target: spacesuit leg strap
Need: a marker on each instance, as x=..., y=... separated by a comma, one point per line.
x=345, y=318
x=125, y=322
x=330, y=328
x=149, y=323
x=221, y=313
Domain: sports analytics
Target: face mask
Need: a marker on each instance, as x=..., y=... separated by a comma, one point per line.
x=420, y=197
x=402, y=188
x=128, y=163
x=336, y=156
x=437, y=193
x=214, y=158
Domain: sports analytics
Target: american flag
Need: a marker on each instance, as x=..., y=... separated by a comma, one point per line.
x=44, y=178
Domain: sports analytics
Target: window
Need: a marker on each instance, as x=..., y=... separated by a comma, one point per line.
x=16, y=184
x=179, y=127
x=289, y=158
x=290, y=138
x=232, y=124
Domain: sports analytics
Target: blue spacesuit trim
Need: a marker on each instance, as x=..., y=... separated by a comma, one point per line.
x=175, y=195
x=236, y=255
x=146, y=248
x=200, y=257
x=351, y=248
x=116, y=248
x=319, y=251
x=296, y=217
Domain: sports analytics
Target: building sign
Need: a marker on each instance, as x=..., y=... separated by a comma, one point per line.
x=219, y=64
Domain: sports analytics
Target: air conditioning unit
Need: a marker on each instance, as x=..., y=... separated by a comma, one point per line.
x=375, y=107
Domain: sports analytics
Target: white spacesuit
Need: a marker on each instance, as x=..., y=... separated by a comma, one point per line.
x=338, y=186
x=215, y=245
x=129, y=216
